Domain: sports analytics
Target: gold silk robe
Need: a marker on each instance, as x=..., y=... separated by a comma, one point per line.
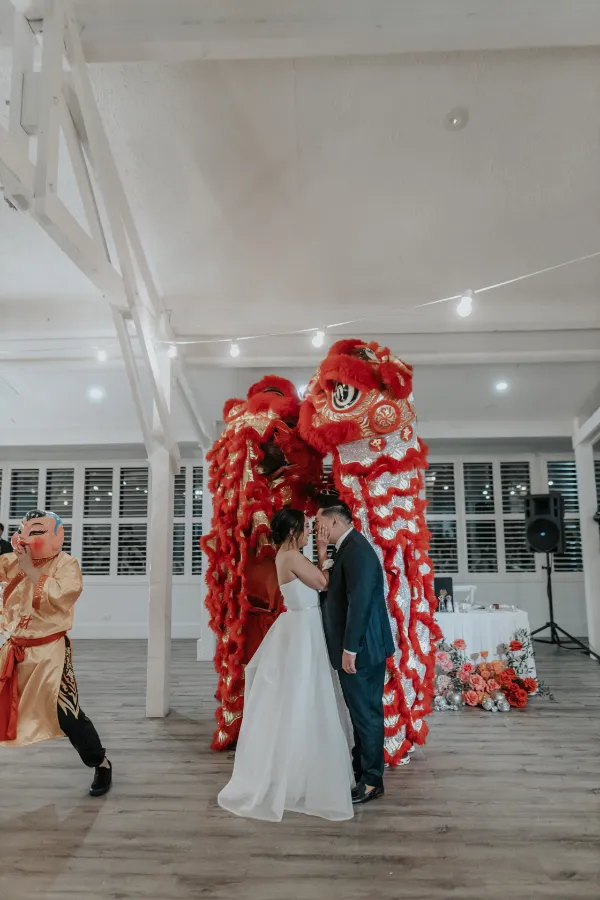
x=30, y=612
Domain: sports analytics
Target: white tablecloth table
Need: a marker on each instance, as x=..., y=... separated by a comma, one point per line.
x=485, y=629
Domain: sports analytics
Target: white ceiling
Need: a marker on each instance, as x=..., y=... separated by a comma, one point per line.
x=294, y=192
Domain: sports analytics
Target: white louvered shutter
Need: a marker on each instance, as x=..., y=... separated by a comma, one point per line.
x=480, y=522
x=443, y=548
x=24, y=484
x=59, y=492
x=479, y=488
x=95, y=549
x=97, y=534
x=131, y=556
x=179, y=511
x=98, y=493
x=440, y=493
x=562, y=477
x=515, y=480
x=133, y=493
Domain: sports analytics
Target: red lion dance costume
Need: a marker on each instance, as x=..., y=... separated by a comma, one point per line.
x=258, y=465
x=358, y=407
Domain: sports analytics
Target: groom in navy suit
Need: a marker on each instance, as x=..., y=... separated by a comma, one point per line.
x=359, y=637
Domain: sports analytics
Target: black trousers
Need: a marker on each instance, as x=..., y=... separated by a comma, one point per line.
x=83, y=736
x=363, y=694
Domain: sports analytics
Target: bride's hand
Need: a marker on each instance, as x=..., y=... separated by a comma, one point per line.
x=322, y=537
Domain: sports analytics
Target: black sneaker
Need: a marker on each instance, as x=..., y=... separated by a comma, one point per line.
x=102, y=781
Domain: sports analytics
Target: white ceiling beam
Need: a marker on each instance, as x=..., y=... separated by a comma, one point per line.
x=269, y=29
x=449, y=348
x=589, y=430
x=136, y=30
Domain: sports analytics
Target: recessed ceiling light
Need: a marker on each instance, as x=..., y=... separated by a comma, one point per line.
x=96, y=394
x=456, y=119
x=501, y=386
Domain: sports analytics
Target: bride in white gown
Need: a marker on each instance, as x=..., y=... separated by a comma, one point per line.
x=292, y=752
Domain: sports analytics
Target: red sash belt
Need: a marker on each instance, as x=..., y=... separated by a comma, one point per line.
x=9, y=694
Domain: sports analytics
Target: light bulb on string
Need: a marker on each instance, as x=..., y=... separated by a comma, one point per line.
x=172, y=351
x=101, y=355
x=234, y=350
x=465, y=305
x=318, y=339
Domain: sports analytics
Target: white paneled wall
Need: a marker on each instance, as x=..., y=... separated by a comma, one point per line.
x=104, y=505
x=474, y=514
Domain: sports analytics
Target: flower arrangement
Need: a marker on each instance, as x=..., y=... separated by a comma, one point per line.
x=492, y=684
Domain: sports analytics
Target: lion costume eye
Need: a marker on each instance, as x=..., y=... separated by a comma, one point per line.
x=344, y=396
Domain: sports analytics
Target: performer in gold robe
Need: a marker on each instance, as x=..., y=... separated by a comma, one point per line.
x=38, y=691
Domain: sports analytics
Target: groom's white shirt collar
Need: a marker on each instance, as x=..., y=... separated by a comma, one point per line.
x=341, y=540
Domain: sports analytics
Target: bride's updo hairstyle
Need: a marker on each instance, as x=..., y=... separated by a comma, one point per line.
x=287, y=523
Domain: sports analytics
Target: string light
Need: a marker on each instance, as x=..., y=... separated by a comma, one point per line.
x=234, y=350
x=318, y=338
x=101, y=355
x=465, y=305
x=172, y=351
x=462, y=298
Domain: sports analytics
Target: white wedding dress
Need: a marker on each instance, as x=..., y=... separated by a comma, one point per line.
x=292, y=752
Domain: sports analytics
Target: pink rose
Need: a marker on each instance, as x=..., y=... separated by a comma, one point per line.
x=442, y=683
x=444, y=661
x=493, y=685
x=459, y=644
x=465, y=671
x=477, y=683
x=471, y=697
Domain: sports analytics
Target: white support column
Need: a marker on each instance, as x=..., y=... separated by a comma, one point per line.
x=590, y=537
x=206, y=644
x=160, y=543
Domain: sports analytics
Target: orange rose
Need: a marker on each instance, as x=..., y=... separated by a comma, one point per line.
x=471, y=697
x=496, y=666
x=484, y=654
x=484, y=670
x=459, y=644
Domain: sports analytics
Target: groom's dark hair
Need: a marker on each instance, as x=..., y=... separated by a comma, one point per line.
x=333, y=506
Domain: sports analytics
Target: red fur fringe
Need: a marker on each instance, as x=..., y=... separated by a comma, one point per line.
x=240, y=525
x=421, y=587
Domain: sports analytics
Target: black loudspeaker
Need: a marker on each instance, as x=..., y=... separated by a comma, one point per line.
x=545, y=522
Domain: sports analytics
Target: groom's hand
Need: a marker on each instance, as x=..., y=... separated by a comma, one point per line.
x=349, y=662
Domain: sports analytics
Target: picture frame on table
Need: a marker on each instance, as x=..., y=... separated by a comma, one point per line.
x=443, y=586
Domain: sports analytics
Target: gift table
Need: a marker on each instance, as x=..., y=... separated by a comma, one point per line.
x=485, y=630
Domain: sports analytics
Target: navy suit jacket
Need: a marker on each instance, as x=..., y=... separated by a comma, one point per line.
x=355, y=616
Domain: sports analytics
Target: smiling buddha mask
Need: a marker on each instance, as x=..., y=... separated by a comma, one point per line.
x=42, y=531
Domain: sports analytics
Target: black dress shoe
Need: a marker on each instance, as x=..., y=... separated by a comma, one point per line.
x=102, y=781
x=365, y=796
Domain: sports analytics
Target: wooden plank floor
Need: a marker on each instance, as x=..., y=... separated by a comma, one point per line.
x=494, y=807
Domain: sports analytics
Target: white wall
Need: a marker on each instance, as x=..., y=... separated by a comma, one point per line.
x=114, y=609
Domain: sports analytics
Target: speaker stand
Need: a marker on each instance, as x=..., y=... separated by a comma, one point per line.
x=558, y=636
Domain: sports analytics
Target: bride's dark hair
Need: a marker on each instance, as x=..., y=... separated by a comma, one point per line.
x=287, y=523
